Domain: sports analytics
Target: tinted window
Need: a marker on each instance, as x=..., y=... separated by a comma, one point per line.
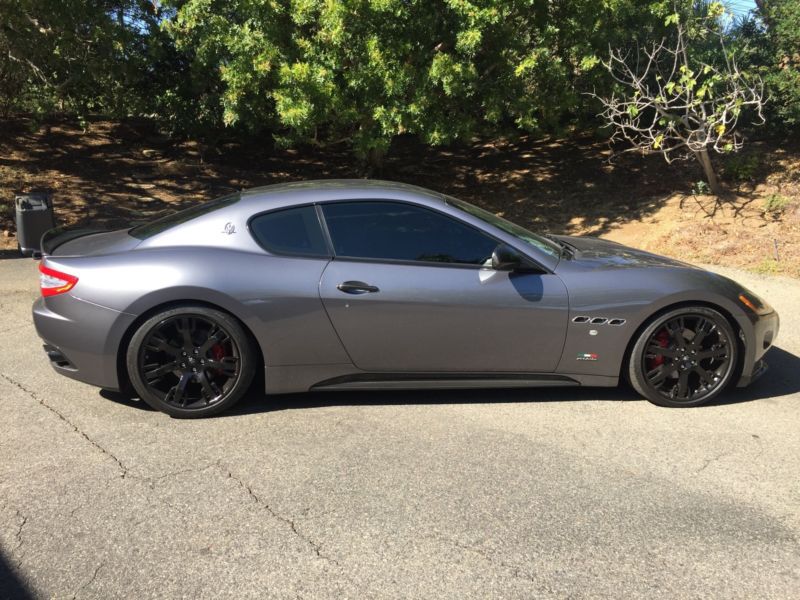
x=292, y=231
x=397, y=231
x=171, y=220
x=537, y=241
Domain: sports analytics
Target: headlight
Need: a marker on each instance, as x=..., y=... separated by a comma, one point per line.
x=755, y=303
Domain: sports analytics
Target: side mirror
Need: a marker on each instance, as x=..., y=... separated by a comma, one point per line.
x=505, y=258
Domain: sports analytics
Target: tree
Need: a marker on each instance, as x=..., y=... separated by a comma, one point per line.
x=674, y=102
x=80, y=57
x=782, y=19
x=364, y=71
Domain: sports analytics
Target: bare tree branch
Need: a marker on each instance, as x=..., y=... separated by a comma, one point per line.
x=678, y=106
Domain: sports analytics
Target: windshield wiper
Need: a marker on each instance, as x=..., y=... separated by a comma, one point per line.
x=567, y=249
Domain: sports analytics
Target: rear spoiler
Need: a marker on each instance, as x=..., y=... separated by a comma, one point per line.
x=54, y=238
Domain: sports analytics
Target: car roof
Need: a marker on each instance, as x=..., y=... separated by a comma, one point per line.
x=297, y=192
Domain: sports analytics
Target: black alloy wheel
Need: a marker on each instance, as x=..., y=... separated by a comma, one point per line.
x=191, y=361
x=685, y=357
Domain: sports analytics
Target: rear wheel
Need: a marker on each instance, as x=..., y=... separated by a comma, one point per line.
x=191, y=361
x=684, y=357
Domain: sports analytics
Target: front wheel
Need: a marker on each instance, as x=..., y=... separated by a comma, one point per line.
x=684, y=357
x=191, y=361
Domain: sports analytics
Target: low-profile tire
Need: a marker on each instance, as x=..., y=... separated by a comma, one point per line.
x=684, y=357
x=191, y=361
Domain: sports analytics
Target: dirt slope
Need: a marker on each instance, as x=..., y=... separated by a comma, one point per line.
x=113, y=174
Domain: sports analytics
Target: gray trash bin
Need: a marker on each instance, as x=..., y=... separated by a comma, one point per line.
x=34, y=216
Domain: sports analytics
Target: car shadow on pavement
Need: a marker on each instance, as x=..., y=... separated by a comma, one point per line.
x=257, y=402
x=11, y=586
x=782, y=379
x=431, y=398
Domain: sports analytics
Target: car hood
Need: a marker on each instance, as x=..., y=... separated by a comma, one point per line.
x=594, y=253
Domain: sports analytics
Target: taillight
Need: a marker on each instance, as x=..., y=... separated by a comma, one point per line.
x=54, y=282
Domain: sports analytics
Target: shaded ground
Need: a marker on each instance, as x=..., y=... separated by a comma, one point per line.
x=114, y=174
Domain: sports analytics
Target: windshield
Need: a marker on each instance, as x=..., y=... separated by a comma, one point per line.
x=169, y=221
x=537, y=241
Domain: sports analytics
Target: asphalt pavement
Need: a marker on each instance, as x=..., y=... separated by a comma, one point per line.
x=482, y=494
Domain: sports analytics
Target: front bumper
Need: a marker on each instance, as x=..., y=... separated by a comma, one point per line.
x=82, y=339
x=758, y=338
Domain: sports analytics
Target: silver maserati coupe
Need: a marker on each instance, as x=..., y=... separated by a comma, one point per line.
x=366, y=285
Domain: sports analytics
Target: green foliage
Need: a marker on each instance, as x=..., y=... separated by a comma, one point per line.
x=776, y=203
x=363, y=71
x=783, y=27
x=770, y=44
x=81, y=57
x=367, y=70
x=742, y=167
x=768, y=266
x=700, y=188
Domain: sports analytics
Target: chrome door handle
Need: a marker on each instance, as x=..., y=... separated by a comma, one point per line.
x=357, y=287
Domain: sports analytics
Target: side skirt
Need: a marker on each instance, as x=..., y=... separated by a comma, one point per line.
x=416, y=381
x=281, y=380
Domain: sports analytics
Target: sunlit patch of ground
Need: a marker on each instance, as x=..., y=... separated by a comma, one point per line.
x=757, y=229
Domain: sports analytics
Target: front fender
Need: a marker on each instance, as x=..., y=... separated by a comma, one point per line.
x=635, y=296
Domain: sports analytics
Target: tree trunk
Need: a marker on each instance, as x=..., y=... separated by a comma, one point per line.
x=374, y=161
x=708, y=169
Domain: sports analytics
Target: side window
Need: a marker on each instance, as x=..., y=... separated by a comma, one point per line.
x=398, y=231
x=293, y=231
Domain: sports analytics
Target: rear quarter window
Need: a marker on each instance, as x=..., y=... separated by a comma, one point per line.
x=290, y=232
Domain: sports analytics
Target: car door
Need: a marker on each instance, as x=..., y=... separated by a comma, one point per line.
x=284, y=297
x=408, y=291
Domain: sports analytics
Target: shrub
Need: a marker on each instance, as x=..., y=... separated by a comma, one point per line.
x=776, y=203
x=742, y=167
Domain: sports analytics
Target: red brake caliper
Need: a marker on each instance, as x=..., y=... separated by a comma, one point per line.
x=662, y=339
x=218, y=352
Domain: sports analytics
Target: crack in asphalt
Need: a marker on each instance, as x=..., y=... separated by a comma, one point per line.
x=18, y=535
x=315, y=547
x=123, y=469
x=713, y=459
x=90, y=582
x=516, y=571
x=722, y=455
x=152, y=481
